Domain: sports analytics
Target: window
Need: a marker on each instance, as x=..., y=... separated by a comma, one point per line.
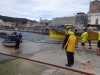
x=96, y=22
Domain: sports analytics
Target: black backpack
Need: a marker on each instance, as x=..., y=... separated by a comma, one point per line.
x=65, y=41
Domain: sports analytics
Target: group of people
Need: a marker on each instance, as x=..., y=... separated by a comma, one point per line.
x=84, y=37
x=3, y=34
x=70, y=43
x=17, y=38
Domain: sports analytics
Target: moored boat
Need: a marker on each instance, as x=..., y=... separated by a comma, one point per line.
x=61, y=35
x=8, y=43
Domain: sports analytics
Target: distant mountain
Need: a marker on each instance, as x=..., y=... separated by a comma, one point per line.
x=13, y=19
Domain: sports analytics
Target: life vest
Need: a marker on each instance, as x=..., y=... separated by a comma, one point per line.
x=84, y=37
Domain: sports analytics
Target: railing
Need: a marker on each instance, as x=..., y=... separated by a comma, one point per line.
x=17, y=65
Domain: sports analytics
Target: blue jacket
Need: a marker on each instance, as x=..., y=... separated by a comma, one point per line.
x=17, y=38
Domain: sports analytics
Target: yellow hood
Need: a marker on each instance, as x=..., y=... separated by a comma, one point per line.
x=71, y=33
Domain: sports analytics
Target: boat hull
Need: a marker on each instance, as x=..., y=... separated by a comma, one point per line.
x=8, y=43
x=61, y=35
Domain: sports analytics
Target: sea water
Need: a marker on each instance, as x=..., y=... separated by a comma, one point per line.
x=28, y=36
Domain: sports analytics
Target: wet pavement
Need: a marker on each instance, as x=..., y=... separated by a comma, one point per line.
x=52, y=53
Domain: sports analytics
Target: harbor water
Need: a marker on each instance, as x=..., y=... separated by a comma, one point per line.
x=31, y=36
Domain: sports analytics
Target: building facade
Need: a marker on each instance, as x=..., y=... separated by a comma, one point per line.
x=94, y=14
x=44, y=22
x=8, y=24
x=62, y=20
x=81, y=19
x=1, y=23
x=94, y=19
x=94, y=6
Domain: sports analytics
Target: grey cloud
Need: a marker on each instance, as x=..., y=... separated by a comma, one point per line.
x=37, y=8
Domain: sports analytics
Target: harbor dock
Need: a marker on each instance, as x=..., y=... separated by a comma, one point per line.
x=53, y=54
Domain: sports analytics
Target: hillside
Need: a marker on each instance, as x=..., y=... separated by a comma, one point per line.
x=13, y=19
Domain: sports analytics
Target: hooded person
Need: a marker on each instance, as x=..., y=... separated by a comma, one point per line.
x=69, y=45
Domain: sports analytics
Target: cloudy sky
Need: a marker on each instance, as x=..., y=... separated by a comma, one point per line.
x=46, y=9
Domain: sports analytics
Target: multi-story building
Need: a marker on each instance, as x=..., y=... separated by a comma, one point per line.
x=93, y=17
x=94, y=6
x=94, y=14
x=28, y=24
x=94, y=20
x=1, y=22
x=62, y=20
x=8, y=24
x=81, y=20
x=44, y=22
x=13, y=24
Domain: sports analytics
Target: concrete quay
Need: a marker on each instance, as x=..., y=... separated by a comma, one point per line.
x=53, y=54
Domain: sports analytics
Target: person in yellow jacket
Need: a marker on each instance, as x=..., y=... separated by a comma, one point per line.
x=68, y=30
x=69, y=45
x=84, y=37
x=98, y=44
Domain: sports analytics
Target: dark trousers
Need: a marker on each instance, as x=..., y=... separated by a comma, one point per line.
x=70, y=58
x=17, y=44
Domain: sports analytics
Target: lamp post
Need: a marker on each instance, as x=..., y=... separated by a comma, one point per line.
x=73, y=19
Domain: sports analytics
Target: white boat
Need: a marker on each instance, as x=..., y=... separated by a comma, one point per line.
x=8, y=43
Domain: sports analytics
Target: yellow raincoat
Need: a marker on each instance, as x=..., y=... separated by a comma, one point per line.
x=71, y=43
